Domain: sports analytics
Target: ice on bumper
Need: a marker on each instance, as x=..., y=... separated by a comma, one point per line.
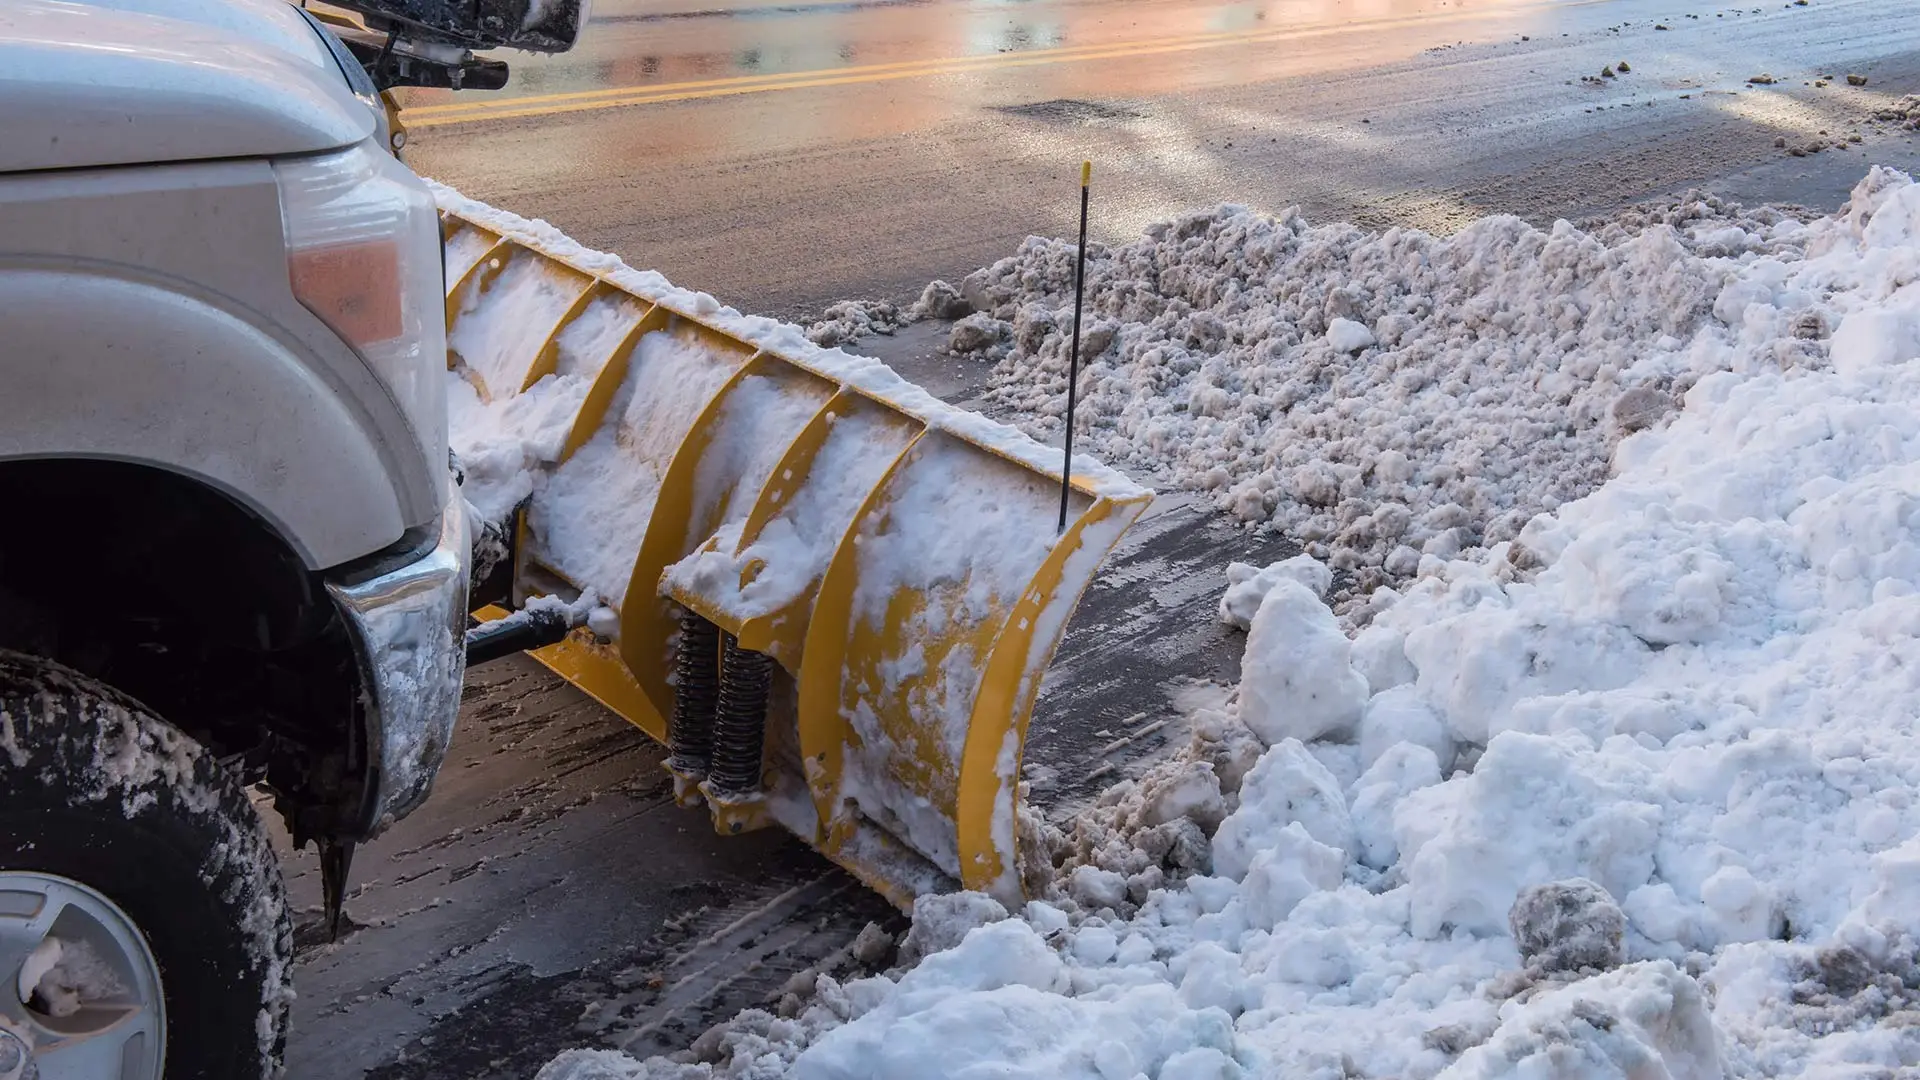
x=409, y=629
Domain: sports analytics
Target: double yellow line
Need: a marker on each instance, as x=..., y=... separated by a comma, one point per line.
x=427, y=116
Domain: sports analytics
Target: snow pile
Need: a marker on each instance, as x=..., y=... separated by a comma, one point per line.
x=1668, y=727
x=851, y=320
x=1380, y=396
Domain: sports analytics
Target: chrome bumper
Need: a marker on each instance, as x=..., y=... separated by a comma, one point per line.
x=409, y=626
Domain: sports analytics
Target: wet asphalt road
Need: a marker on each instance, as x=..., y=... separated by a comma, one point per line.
x=785, y=155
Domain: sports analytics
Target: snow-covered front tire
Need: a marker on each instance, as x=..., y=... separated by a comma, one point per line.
x=108, y=814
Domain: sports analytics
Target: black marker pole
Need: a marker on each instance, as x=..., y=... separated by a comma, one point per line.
x=1073, y=358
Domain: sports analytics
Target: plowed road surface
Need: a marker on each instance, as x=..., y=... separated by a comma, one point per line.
x=785, y=155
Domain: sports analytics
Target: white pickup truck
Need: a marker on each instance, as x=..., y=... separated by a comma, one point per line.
x=233, y=554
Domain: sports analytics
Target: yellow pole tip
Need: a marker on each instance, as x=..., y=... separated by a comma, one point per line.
x=1086, y=173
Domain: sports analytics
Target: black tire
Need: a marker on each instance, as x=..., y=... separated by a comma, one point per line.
x=99, y=791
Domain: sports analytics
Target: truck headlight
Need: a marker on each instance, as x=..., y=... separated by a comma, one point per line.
x=363, y=253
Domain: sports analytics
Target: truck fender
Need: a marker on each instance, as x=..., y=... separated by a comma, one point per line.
x=109, y=367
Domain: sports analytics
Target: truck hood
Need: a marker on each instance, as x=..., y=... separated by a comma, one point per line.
x=87, y=85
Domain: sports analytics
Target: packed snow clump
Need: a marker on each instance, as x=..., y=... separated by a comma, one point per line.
x=851, y=320
x=69, y=976
x=1646, y=1021
x=1680, y=716
x=940, y=300
x=1567, y=926
x=848, y=321
x=1298, y=676
x=1381, y=396
x=1248, y=585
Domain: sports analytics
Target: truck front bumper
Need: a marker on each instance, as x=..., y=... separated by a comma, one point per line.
x=409, y=623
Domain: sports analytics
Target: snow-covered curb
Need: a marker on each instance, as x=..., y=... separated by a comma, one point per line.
x=1694, y=687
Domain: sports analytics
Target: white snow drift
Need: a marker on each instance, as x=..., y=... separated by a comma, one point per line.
x=1378, y=395
x=1693, y=688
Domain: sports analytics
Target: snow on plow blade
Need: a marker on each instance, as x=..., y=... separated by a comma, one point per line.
x=836, y=595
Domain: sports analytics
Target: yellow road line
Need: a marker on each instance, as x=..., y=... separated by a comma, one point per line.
x=588, y=100
x=914, y=66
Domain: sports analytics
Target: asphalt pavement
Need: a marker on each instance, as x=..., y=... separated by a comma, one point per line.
x=786, y=155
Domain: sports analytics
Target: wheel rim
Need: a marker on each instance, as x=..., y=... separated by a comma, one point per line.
x=91, y=1007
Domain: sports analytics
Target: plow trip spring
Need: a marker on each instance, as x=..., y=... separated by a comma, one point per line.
x=836, y=595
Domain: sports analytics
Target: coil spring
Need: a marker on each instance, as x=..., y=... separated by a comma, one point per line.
x=696, y=696
x=740, y=723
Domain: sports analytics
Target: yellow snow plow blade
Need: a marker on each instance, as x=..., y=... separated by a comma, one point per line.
x=836, y=595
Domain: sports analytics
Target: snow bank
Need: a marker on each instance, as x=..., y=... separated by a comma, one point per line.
x=1683, y=704
x=1381, y=396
